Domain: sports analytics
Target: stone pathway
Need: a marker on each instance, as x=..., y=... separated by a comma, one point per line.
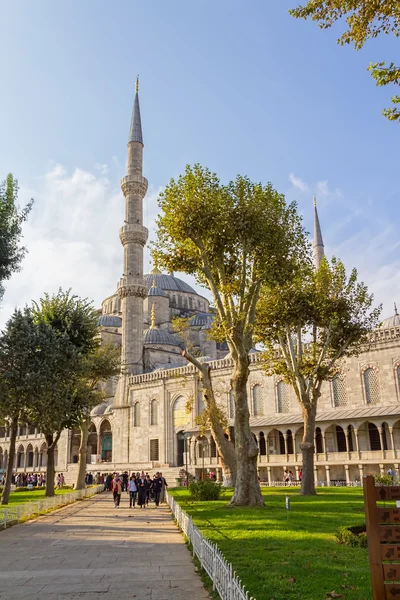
x=90, y=550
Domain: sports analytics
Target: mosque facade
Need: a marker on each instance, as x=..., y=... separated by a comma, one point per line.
x=146, y=424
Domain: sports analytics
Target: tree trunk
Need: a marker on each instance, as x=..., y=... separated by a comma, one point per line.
x=225, y=448
x=247, y=489
x=50, y=473
x=11, y=455
x=80, y=480
x=307, y=449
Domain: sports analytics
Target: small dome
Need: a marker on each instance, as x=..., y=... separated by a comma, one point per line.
x=168, y=282
x=159, y=337
x=391, y=321
x=110, y=321
x=203, y=320
x=100, y=409
x=155, y=291
x=109, y=409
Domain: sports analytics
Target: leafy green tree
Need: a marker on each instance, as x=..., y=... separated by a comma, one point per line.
x=100, y=365
x=233, y=239
x=29, y=356
x=11, y=220
x=309, y=328
x=74, y=320
x=365, y=19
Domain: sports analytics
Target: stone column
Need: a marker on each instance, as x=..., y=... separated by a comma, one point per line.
x=346, y=468
x=269, y=475
x=267, y=446
x=296, y=468
x=392, y=442
x=324, y=449
x=380, y=429
x=382, y=469
x=348, y=434
x=286, y=446
x=361, y=469
x=357, y=444
x=315, y=446
x=328, y=475
x=315, y=475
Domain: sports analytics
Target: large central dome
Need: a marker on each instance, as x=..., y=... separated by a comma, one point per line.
x=168, y=282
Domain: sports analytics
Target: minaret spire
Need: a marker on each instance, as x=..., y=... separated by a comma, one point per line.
x=318, y=241
x=133, y=235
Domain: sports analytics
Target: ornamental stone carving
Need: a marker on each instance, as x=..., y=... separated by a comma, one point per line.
x=133, y=234
x=134, y=187
x=137, y=290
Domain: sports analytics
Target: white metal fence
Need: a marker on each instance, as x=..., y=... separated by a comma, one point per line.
x=9, y=515
x=225, y=580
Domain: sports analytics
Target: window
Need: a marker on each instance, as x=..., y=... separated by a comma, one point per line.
x=154, y=412
x=289, y=441
x=231, y=405
x=154, y=450
x=213, y=448
x=340, y=439
x=281, y=443
x=339, y=390
x=136, y=415
x=398, y=375
x=263, y=446
x=258, y=403
x=283, y=397
x=374, y=439
x=318, y=441
x=371, y=384
x=350, y=438
x=179, y=414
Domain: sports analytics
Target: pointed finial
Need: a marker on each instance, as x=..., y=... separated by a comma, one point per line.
x=137, y=84
x=315, y=200
x=395, y=309
x=153, y=317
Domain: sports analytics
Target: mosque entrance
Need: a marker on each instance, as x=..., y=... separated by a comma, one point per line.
x=180, y=444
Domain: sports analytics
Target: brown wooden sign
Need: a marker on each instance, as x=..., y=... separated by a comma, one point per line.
x=383, y=532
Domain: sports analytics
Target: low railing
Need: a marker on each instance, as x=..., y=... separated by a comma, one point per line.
x=9, y=515
x=224, y=579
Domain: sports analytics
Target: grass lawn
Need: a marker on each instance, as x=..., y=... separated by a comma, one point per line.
x=287, y=556
x=21, y=497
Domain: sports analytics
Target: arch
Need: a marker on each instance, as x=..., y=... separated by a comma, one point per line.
x=92, y=442
x=106, y=441
x=340, y=439
x=136, y=414
x=29, y=456
x=281, y=443
x=350, y=434
x=318, y=441
x=289, y=442
x=374, y=439
x=262, y=444
x=20, y=457
x=179, y=413
x=231, y=405
x=339, y=390
x=258, y=401
x=154, y=412
x=282, y=390
x=371, y=385
x=213, y=448
x=385, y=435
x=43, y=455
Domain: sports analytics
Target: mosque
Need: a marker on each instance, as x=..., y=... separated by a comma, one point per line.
x=145, y=424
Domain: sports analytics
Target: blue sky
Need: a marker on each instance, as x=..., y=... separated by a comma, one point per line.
x=241, y=88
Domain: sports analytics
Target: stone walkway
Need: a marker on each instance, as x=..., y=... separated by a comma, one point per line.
x=90, y=550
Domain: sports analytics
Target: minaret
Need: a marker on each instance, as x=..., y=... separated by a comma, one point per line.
x=318, y=242
x=133, y=235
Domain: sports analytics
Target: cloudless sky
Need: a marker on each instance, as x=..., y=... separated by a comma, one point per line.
x=241, y=87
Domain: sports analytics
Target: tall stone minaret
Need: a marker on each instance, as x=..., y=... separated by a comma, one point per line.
x=318, y=241
x=133, y=235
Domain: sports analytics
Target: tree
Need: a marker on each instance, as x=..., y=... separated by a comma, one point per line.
x=11, y=220
x=103, y=363
x=309, y=327
x=75, y=322
x=365, y=19
x=232, y=239
x=28, y=355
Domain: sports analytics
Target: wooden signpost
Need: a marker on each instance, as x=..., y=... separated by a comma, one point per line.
x=383, y=533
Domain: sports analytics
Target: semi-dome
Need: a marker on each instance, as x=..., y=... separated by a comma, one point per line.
x=203, y=320
x=100, y=409
x=160, y=337
x=391, y=322
x=156, y=291
x=168, y=282
x=110, y=321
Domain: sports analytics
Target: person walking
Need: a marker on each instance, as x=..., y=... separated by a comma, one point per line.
x=132, y=489
x=141, y=491
x=148, y=484
x=157, y=487
x=116, y=490
x=163, y=489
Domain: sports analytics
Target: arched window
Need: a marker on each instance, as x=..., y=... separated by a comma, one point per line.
x=258, y=403
x=289, y=441
x=398, y=375
x=154, y=412
x=350, y=438
x=231, y=405
x=371, y=385
x=318, y=440
x=263, y=446
x=213, y=448
x=179, y=413
x=374, y=439
x=136, y=415
x=340, y=439
x=385, y=433
x=283, y=397
x=281, y=443
x=339, y=390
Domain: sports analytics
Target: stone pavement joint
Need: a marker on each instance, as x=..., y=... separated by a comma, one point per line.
x=91, y=551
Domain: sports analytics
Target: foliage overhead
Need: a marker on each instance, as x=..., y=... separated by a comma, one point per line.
x=365, y=19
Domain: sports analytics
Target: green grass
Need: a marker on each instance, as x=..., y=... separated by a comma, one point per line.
x=21, y=497
x=287, y=556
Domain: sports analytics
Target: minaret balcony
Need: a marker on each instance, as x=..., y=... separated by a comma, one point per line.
x=134, y=186
x=132, y=286
x=133, y=233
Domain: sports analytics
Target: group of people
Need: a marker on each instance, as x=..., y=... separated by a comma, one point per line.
x=141, y=488
x=25, y=479
x=289, y=478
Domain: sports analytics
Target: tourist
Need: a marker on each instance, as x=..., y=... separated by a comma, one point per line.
x=157, y=487
x=125, y=478
x=108, y=482
x=132, y=489
x=163, y=489
x=116, y=489
x=141, y=491
x=148, y=485
x=390, y=472
x=300, y=474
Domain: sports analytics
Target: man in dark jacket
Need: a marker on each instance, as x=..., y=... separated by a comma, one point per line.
x=157, y=487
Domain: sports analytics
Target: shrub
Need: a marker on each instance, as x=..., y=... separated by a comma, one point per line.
x=356, y=536
x=204, y=490
x=384, y=480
